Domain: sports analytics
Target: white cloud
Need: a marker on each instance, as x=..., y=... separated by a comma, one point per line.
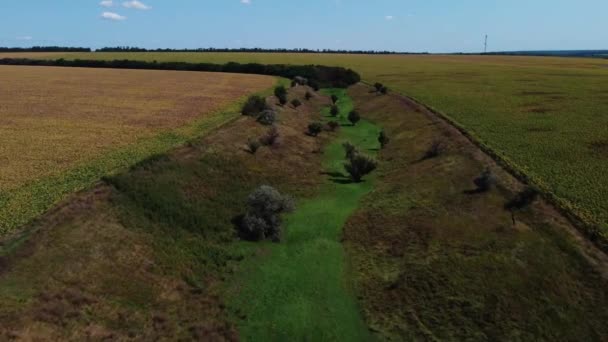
x=135, y=4
x=389, y=17
x=246, y=2
x=107, y=3
x=113, y=16
x=24, y=38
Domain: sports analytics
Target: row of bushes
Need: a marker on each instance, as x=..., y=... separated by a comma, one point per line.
x=320, y=76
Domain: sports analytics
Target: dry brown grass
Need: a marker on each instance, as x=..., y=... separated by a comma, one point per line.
x=54, y=118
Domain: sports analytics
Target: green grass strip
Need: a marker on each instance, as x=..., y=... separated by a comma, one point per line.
x=20, y=206
x=298, y=289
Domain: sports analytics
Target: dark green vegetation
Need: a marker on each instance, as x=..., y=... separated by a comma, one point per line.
x=434, y=259
x=296, y=289
x=544, y=116
x=317, y=75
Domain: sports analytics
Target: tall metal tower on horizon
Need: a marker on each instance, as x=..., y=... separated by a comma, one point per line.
x=485, y=45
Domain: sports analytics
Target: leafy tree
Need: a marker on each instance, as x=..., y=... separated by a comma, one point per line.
x=315, y=128
x=267, y=117
x=383, y=139
x=281, y=93
x=263, y=217
x=254, y=106
x=384, y=90
x=378, y=86
x=360, y=165
x=334, y=98
x=354, y=117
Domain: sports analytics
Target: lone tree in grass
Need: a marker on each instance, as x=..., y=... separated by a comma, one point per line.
x=334, y=98
x=314, y=129
x=384, y=90
x=281, y=93
x=360, y=165
x=254, y=106
x=378, y=86
x=383, y=139
x=334, y=111
x=354, y=117
x=296, y=103
x=308, y=96
x=263, y=217
x=521, y=201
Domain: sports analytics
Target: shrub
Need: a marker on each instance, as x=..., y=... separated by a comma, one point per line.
x=314, y=129
x=360, y=165
x=383, y=139
x=281, y=93
x=354, y=117
x=378, y=86
x=293, y=83
x=254, y=106
x=271, y=137
x=308, y=96
x=435, y=150
x=263, y=217
x=485, y=181
x=314, y=85
x=333, y=126
x=334, y=111
x=350, y=150
x=253, y=145
x=522, y=199
x=296, y=103
x=384, y=90
x=267, y=117
x=334, y=99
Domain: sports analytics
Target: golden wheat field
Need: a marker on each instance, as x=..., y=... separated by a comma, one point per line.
x=53, y=118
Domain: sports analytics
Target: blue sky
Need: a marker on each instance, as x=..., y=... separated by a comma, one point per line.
x=402, y=25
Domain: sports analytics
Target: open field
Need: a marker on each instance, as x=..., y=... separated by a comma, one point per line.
x=546, y=115
x=61, y=129
x=151, y=253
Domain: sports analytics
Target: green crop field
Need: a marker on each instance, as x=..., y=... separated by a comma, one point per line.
x=548, y=116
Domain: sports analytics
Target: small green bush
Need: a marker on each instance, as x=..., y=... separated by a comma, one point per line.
x=308, y=96
x=253, y=145
x=267, y=117
x=378, y=86
x=296, y=103
x=334, y=98
x=254, y=106
x=349, y=150
x=334, y=111
x=485, y=181
x=384, y=90
x=354, y=117
x=314, y=129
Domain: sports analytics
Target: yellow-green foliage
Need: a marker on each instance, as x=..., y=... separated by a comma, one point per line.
x=549, y=116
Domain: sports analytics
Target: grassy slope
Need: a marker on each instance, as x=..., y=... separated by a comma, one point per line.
x=433, y=263
x=545, y=114
x=297, y=289
x=24, y=204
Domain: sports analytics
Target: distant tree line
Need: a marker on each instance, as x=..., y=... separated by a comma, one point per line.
x=45, y=49
x=556, y=53
x=322, y=76
x=261, y=50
